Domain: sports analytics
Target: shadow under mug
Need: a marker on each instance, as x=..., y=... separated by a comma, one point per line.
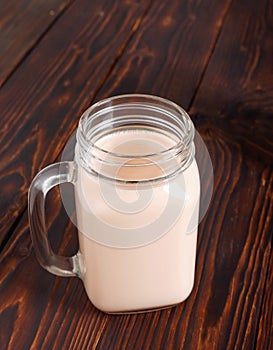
x=137, y=192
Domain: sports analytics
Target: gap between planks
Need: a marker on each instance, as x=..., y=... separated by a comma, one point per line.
x=221, y=25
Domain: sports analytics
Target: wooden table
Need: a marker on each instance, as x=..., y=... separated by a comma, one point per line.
x=214, y=58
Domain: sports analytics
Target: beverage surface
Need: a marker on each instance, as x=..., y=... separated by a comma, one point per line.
x=140, y=149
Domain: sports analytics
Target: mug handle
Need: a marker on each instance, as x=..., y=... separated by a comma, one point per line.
x=44, y=181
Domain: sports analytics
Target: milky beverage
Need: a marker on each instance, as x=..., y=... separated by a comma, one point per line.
x=135, y=272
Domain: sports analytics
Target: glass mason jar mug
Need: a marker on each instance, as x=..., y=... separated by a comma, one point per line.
x=137, y=189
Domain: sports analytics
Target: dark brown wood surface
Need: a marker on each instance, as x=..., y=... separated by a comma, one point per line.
x=265, y=333
x=213, y=57
x=234, y=104
x=22, y=25
x=43, y=100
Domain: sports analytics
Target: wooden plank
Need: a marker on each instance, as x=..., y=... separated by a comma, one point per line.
x=169, y=55
x=234, y=103
x=265, y=330
x=237, y=91
x=42, y=101
x=24, y=303
x=22, y=24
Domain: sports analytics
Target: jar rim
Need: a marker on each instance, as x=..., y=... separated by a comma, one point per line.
x=188, y=137
x=135, y=111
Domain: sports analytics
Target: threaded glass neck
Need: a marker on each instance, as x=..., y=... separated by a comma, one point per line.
x=161, y=131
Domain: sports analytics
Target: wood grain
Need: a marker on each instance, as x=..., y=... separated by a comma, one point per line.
x=231, y=305
x=265, y=331
x=42, y=102
x=168, y=56
x=235, y=100
x=237, y=91
x=22, y=24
